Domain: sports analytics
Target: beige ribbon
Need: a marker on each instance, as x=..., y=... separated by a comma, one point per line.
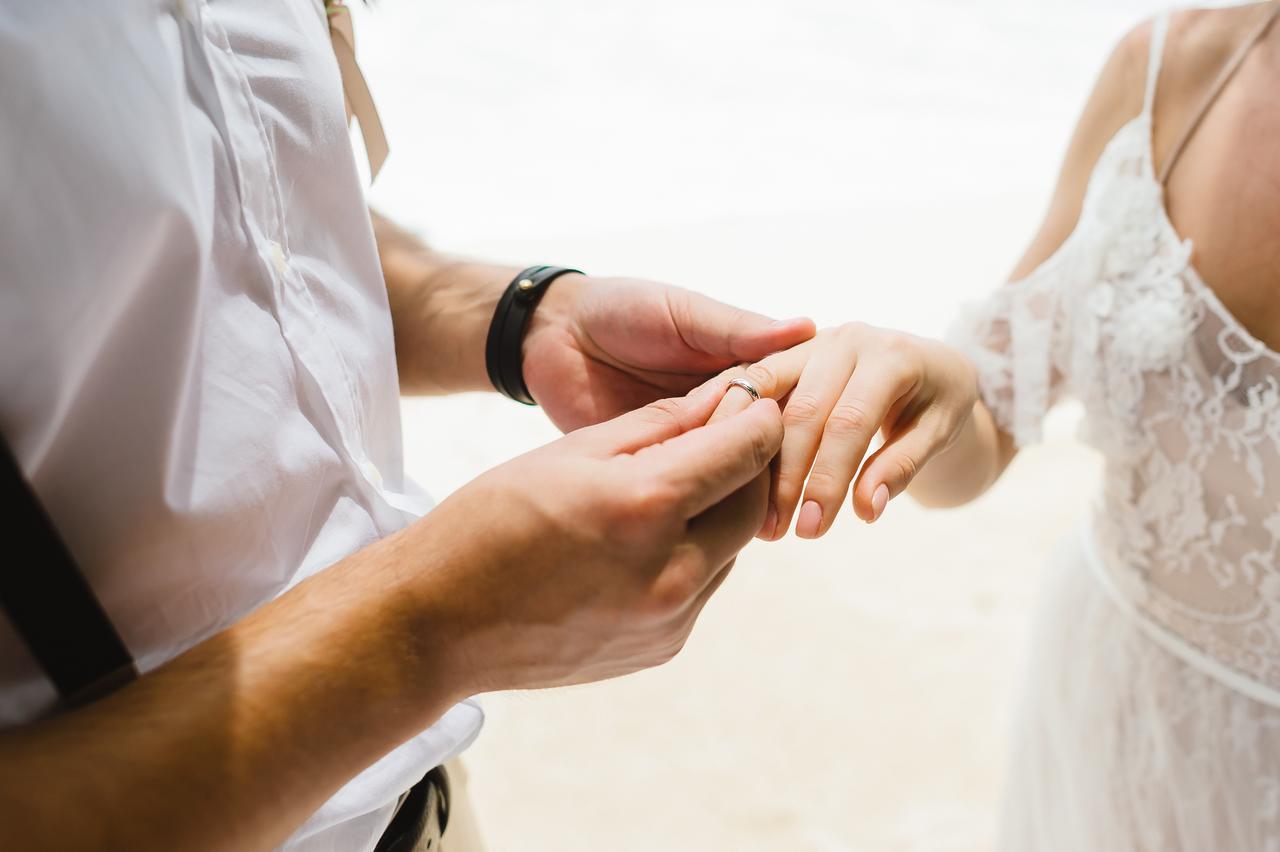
x=359, y=100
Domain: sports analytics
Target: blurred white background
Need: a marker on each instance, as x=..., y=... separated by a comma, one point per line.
x=879, y=161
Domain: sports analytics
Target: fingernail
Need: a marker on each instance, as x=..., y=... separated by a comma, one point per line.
x=770, y=523
x=878, y=501
x=810, y=520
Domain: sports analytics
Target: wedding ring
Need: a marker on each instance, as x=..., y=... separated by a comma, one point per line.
x=746, y=386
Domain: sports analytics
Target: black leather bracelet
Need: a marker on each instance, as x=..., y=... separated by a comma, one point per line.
x=503, y=352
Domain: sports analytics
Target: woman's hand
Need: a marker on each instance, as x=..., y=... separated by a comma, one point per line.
x=838, y=390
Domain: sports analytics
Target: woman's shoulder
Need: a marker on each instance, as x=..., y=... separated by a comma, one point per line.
x=1118, y=94
x=1200, y=43
x=1117, y=97
x=1203, y=39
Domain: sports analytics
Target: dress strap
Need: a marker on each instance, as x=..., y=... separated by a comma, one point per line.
x=1224, y=76
x=1155, y=55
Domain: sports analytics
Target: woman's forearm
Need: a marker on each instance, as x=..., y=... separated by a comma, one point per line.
x=968, y=467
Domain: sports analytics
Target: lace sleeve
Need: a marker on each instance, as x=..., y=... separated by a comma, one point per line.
x=1016, y=339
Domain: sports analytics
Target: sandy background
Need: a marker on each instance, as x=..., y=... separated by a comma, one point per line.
x=879, y=161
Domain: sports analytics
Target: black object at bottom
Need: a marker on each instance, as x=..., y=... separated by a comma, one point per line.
x=422, y=816
x=49, y=602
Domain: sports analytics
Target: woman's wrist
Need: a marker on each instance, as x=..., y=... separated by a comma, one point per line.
x=967, y=468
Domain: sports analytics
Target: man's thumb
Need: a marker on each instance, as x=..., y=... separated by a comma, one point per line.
x=706, y=465
x=733, y=334
x=656, y=422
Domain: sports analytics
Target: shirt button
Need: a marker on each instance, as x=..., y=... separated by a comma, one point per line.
x=277, y=257
x=371, y=473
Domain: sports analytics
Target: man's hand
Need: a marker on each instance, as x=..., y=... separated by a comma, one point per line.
x=592, y=557
x=595, y=347
x=599, y=347
x=588, y=558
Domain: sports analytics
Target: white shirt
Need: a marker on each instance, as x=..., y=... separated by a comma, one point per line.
x=196, y=363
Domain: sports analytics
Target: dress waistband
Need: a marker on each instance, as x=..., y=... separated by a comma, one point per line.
x=1166, y=638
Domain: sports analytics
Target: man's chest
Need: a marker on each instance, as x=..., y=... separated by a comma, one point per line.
x=202, y=383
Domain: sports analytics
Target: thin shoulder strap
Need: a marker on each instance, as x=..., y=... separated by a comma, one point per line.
x=1155, y=55
x=1224, y=76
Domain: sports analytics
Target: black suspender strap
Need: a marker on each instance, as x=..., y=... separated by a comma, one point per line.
x=49, y=601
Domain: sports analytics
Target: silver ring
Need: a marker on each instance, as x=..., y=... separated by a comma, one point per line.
x=746, y=386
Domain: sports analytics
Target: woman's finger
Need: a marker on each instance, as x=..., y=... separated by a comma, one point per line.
x=892, y=467
x=773, y=377
x=816, y=393
x=877, y=385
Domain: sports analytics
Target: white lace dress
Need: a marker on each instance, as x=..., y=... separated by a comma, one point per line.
x=1152, y=719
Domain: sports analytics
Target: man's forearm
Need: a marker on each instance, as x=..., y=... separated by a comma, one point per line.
x=234, y=743
x=440, y=310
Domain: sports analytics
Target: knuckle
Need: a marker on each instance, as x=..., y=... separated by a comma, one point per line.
x=855, y=329
x=848, y=419
x=896, y=371
x=904, y=364
x=802, y=409
x=663, y=412
x=906, y=468
x=739, y=318
x=674, y=588
x=902, y=351
x=788, y=490
x=649, y=499
x=763, y=377
x=821, y=484
x=897, y=342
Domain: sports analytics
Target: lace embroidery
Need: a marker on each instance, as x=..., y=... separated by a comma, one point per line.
x=1181, y=400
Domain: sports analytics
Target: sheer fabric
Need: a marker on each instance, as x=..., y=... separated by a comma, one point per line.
x=1124, y=747
x=1153, y=715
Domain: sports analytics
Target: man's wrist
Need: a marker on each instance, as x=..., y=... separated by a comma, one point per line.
x=440, y=323
x=376, y=614
x=555, y=313
x=505, y=350
x=441, y=621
